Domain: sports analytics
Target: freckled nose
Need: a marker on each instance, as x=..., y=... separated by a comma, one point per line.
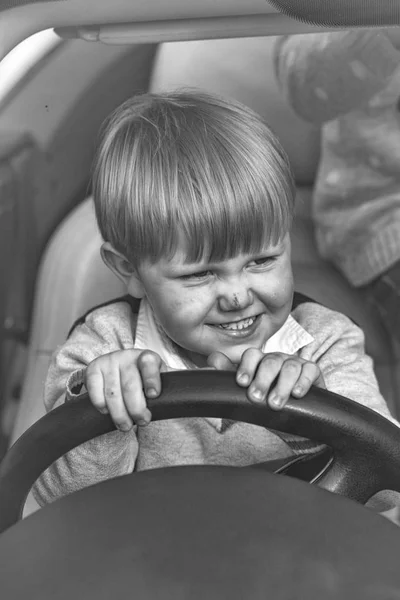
x=235, y=300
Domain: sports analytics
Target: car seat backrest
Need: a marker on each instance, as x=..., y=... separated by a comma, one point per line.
x=72, y=278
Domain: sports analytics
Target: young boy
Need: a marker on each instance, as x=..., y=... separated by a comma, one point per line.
x=349, y=82
x=194, y=199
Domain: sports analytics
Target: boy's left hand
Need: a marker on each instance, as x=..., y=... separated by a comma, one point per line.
x=290, y=374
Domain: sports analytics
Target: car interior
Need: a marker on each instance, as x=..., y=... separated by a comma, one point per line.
x=98, y=55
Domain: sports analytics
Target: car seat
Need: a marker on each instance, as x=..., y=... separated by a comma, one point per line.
x=73, y=278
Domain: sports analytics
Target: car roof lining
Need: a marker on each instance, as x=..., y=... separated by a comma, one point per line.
x=176, y=19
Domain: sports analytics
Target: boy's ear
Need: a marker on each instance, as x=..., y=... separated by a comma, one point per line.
x=123, y=269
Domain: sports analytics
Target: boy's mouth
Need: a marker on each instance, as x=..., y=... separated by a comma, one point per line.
x=244, y=328
x=239, y=325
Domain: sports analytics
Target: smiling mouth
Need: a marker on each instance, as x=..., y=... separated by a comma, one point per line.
x=238, y=325
x=241, y=325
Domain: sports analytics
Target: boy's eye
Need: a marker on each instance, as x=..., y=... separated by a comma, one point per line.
x=264, y=260
x=197, y=276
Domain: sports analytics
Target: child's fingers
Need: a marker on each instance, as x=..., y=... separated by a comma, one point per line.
x=246, y=371
x=150, y=366
x=289, y=377
x=133, y=397
x=114, y=399
x=295, y=379
x=268, y=370
x=220, y=361
x=94, y=383
x=310, y=375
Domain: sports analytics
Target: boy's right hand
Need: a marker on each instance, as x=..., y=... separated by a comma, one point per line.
x=119, y=382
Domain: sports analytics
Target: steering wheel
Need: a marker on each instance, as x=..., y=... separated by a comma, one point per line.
x=366, y=446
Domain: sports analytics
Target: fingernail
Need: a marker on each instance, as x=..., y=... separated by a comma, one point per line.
x=124, y=427
x=275, y=401
x=297, y=390
x=145, y=420
x=256, y=395
x=243, y=378
x=151, y=392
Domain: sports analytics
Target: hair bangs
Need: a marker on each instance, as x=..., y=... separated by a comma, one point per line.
x=193, y=172
x=226, y=194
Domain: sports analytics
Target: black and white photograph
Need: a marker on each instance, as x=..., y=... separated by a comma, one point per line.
x=200, y=299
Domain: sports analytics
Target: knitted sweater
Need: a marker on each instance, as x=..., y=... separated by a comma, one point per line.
x=350, y=83
x=330, y=339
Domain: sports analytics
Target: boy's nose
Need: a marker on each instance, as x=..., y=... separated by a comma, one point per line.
x=235, y=299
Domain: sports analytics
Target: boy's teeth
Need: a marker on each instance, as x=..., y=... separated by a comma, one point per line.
x=239, y=324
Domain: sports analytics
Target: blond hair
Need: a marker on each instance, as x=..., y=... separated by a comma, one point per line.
x=195, y=165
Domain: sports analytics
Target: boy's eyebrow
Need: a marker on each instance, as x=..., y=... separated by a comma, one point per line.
x=205, y=264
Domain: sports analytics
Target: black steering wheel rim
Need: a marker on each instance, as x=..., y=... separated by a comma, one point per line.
x=366, y=445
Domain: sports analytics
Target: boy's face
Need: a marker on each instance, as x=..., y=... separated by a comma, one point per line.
x=227, y=306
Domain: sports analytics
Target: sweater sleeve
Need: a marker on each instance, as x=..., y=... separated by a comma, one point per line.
x=325, y=75
x=104, y=330
x=339, y=351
